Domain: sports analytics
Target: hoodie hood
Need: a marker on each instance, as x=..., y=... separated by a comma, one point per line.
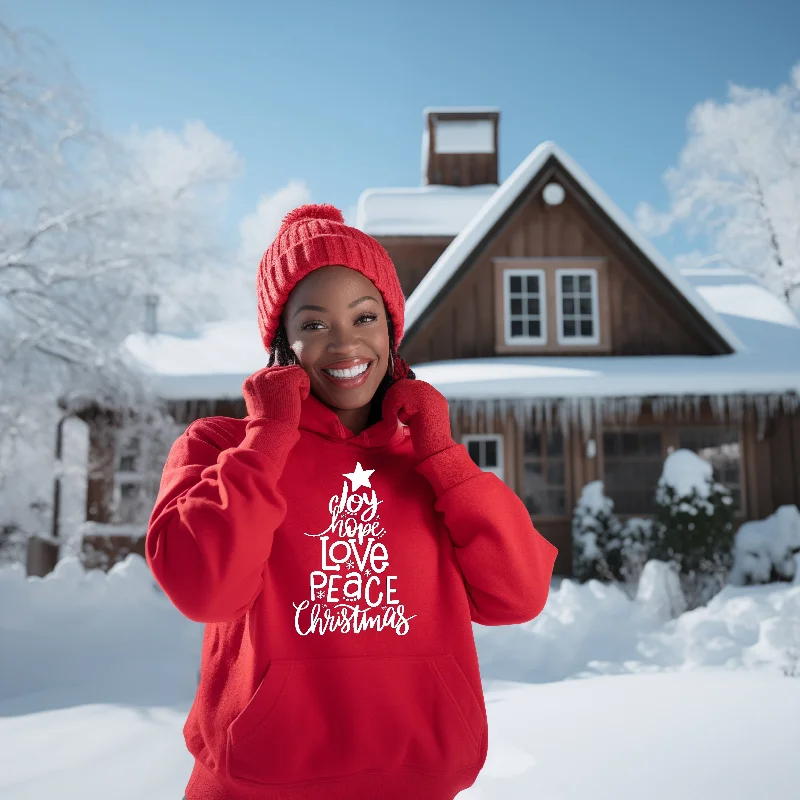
x=321, y=420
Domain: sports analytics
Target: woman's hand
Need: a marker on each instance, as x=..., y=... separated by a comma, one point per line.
x=276, y=393
x=424, y=410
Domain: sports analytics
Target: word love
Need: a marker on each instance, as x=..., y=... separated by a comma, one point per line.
x=345, y=551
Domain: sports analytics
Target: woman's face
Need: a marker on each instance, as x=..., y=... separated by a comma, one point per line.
x=337, y=327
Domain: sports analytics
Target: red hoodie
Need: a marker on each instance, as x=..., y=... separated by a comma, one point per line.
x=339, y=580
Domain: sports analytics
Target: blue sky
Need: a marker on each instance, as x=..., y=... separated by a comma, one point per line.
x=332, y=93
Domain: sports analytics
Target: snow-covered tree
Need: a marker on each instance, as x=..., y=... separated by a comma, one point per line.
x=736, y=185
x=604, y=547
x=693, y=526
x=89, y=226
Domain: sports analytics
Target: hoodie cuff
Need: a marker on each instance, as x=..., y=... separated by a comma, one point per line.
x=448, y=468
x=274, y=438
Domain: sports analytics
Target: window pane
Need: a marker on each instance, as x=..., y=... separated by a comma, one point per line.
x=569, y=327
x=533, y=443
x=534, y=328
x=651, y=443
x=719, y=445
x=568, y=305
x=555, y=473
x=516, y=305
x=587, y=327
x=631, y=443
x=555, y=443
x=632, y=464
x=532, y=283
x=474, y=448
x=533, y=305
x=567, y=283
x=585, y=284
x=585, y=306
x=516, y=327
x=515, y=283
x=491, y=453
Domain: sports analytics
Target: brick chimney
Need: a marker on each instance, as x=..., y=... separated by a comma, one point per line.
x=459, y=146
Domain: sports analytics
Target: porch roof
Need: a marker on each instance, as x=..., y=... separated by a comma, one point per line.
x=514, y=377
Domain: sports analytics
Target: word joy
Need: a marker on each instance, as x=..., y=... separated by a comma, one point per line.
x=353, y=516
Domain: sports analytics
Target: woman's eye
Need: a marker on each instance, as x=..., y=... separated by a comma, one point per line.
x=315, y=325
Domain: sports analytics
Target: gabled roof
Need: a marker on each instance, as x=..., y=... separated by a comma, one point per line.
x=480, y=227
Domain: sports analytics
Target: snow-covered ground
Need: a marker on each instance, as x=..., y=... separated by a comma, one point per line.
x=97, y=673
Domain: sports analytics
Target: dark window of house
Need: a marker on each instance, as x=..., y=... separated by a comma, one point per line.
x=633, y=461
x=578, y=306
x=720, y=446
x=485, y=450
x=543, y=473
x=525, y=313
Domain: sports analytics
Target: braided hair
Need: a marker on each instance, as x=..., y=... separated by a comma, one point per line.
x=282, y=355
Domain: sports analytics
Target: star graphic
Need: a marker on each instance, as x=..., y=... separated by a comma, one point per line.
x=359, y=476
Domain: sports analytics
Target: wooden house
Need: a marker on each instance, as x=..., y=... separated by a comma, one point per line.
x=568, y=347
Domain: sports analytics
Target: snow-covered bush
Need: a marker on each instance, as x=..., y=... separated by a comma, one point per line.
x=766, y=550
x=693, y=526
x=605, y=548
x=596, y=541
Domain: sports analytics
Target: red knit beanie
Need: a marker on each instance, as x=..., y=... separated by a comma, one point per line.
x=314, y=236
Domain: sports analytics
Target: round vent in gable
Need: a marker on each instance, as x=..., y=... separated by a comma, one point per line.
x=553, y=194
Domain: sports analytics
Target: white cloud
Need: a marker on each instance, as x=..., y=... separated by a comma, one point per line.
x=260, y=227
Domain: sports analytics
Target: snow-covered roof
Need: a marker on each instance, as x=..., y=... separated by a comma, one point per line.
x=479, y=227
x=210, y=362
x=420, y=211
x=762, y=321
x=523, y=377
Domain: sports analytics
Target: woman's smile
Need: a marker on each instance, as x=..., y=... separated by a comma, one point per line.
x=348, y=374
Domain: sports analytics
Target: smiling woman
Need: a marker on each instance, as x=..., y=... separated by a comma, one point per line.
x=339, y=544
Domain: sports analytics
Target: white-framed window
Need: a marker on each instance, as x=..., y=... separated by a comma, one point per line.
x=577, y=306
x=486, y=450
x=525, y=306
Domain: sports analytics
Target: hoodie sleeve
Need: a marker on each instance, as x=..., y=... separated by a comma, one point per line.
x=507, y=564
x=211, y=530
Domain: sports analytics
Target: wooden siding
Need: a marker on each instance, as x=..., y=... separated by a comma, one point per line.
x=773, y=464
x=413, y=256
x=645, y=316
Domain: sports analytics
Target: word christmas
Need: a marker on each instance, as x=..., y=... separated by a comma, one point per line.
x=354, y=519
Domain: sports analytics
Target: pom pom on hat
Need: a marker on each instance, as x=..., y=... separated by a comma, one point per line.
x=313, y=211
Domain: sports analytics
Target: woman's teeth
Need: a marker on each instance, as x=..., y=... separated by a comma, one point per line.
x=347, y=373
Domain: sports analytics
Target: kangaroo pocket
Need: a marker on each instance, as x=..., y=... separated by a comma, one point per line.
x=317, y=718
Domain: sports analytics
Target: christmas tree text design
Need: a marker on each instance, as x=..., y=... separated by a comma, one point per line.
x=352, y=591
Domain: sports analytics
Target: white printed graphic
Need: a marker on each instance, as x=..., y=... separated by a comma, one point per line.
x=352, y=591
